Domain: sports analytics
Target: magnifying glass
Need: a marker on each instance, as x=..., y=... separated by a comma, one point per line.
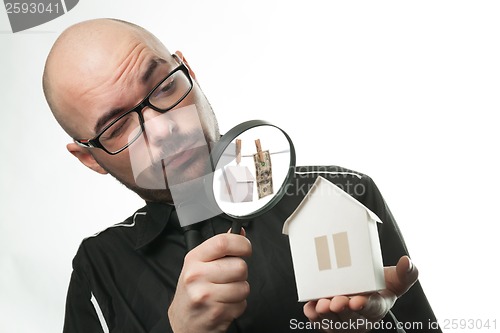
x=253, y=164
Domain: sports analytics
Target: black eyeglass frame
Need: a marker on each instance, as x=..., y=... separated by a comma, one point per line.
x=95, y=143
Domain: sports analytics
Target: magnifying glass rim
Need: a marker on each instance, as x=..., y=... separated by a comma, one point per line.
x=226, y=140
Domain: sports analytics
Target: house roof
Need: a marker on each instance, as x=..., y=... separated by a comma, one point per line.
x=241, y=174
x=322, y=182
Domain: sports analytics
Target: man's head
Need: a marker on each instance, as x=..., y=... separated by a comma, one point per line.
x=98, y=70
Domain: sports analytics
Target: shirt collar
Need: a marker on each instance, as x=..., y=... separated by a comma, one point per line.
x=157, y=218
x=155, y=221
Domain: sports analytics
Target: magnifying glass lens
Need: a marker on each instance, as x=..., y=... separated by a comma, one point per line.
x=252, y=170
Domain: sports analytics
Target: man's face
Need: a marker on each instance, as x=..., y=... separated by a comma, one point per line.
x=173, y=148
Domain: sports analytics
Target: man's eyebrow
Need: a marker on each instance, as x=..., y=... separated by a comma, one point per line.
x=107, y=117
x=153, y=64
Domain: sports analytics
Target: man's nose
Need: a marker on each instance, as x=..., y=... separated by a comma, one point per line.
x=158, y=126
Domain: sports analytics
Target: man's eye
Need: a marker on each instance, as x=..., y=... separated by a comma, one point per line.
x=166, y=89
x=116, y=130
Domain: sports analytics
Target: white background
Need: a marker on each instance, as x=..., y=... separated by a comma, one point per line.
x=403, y=91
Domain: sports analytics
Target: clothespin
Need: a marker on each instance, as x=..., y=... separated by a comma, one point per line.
x=238, y=151
x=259, y=150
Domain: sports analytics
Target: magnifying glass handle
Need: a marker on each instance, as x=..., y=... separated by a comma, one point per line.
x=236, y=227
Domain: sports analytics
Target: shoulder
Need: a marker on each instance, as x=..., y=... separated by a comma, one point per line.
x=131, y=222
x=114, y=239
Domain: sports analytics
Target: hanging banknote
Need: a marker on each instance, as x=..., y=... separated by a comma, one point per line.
x=263, y=173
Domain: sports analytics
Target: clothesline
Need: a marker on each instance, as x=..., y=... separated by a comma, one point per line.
x=275, y=153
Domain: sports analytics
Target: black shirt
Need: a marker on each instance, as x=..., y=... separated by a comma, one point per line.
x=124, y=278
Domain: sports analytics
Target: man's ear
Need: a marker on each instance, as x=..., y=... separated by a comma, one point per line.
x=181, y=56
x=85, y=157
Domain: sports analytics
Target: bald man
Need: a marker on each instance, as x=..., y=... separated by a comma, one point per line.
x=136, y=111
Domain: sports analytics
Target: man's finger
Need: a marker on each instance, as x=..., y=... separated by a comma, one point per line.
x=376, y=307
x=243, y=232
x=231, y=293
x=400, y=278
x=220, y=246
x=226, y=270
x=310, y=311
x=407, y=270
x=339, y=304
x=323, y=306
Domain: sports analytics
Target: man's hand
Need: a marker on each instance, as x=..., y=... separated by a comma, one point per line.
x=212, y=287
x=365, y=308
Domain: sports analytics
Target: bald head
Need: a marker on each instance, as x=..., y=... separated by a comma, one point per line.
x=91, y=55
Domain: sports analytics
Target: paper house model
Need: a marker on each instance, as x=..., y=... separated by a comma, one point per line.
x=239, y=183
x=334, y=243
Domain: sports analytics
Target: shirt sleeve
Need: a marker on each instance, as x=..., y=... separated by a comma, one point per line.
x=82, y=308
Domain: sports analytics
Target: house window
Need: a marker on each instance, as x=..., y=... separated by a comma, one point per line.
x=340, y=250
x=322, y=253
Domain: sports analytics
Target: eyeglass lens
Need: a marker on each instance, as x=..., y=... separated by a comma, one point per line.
x=128, y=128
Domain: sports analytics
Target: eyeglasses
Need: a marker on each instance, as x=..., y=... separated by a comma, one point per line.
x=124, y=130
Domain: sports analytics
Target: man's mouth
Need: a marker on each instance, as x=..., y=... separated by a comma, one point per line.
x=175, y=160
x=180, y=159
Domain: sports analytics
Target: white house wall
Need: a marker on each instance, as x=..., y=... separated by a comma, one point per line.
x=313, y=221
